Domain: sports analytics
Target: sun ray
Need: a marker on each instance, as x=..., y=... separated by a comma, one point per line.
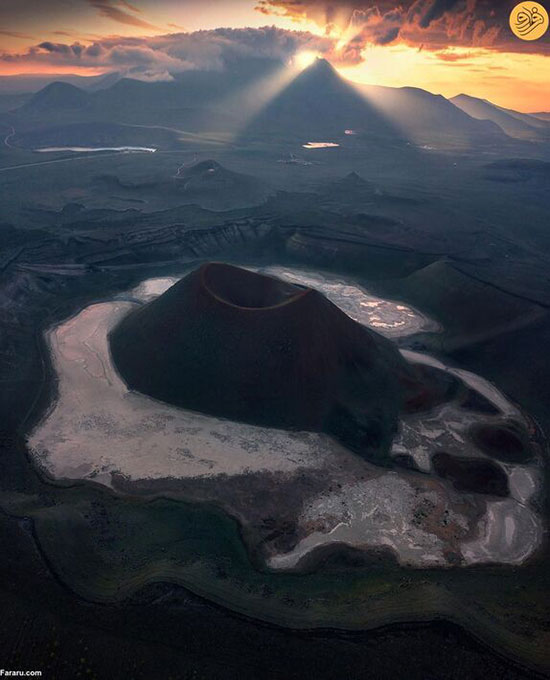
x=304, y=59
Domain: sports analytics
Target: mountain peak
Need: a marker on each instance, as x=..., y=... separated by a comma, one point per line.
x=319, y=104
x=354, y=178
x=60, y=86
x=321, y=75
x=321, y=67
x=208, y=165
x=57, y=95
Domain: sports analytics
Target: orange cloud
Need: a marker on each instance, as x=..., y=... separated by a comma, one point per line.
x=432, y=24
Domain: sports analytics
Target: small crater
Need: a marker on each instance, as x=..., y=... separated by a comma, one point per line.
x=471, y=475
x=502, y=442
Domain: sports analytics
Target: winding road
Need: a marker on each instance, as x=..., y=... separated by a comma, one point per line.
x=8, y=137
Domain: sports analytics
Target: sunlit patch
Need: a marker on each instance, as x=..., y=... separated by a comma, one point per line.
x=247, y=103
x=304, y=59
x=320, y=145
x=92, y=149
x=385, y=316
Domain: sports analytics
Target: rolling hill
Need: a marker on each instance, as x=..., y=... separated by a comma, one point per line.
x=29, y=83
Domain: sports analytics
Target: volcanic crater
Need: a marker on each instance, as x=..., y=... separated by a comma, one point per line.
x=245, y=346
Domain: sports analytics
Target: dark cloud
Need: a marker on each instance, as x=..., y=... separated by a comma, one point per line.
x=436, y=10
x=61, y=48
x=433, y=24
x=16, y=34
x=108, y=8
x=375, y=26
x=133, y=8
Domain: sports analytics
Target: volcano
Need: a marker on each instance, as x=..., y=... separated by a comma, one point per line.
x=55, y=97
x=213, y=186
x=233, y=343
x=318, y=105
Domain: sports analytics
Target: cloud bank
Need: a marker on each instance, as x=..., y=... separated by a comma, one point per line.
x=157, y=57
x=347, y=28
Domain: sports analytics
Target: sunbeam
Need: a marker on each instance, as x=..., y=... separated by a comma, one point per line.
x=304, y=59
x=248, y=102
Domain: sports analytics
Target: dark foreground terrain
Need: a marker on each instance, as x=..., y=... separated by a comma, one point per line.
x=91, y=581
x=47, y=278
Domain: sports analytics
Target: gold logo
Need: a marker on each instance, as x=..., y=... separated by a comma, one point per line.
x=529, y=20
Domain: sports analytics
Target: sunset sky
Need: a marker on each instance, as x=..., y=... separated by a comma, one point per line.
x=445, y=46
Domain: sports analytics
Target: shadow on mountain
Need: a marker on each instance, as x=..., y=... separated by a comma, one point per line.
x=319, y=105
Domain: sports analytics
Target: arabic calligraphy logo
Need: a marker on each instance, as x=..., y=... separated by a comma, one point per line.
x=529, y=20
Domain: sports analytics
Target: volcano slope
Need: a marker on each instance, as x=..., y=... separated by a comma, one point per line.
x=237, y=344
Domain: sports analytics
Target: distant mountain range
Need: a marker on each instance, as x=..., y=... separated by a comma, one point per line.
x=513, y=123
x=28, y=83
x=427, y=118
x=317, y=105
